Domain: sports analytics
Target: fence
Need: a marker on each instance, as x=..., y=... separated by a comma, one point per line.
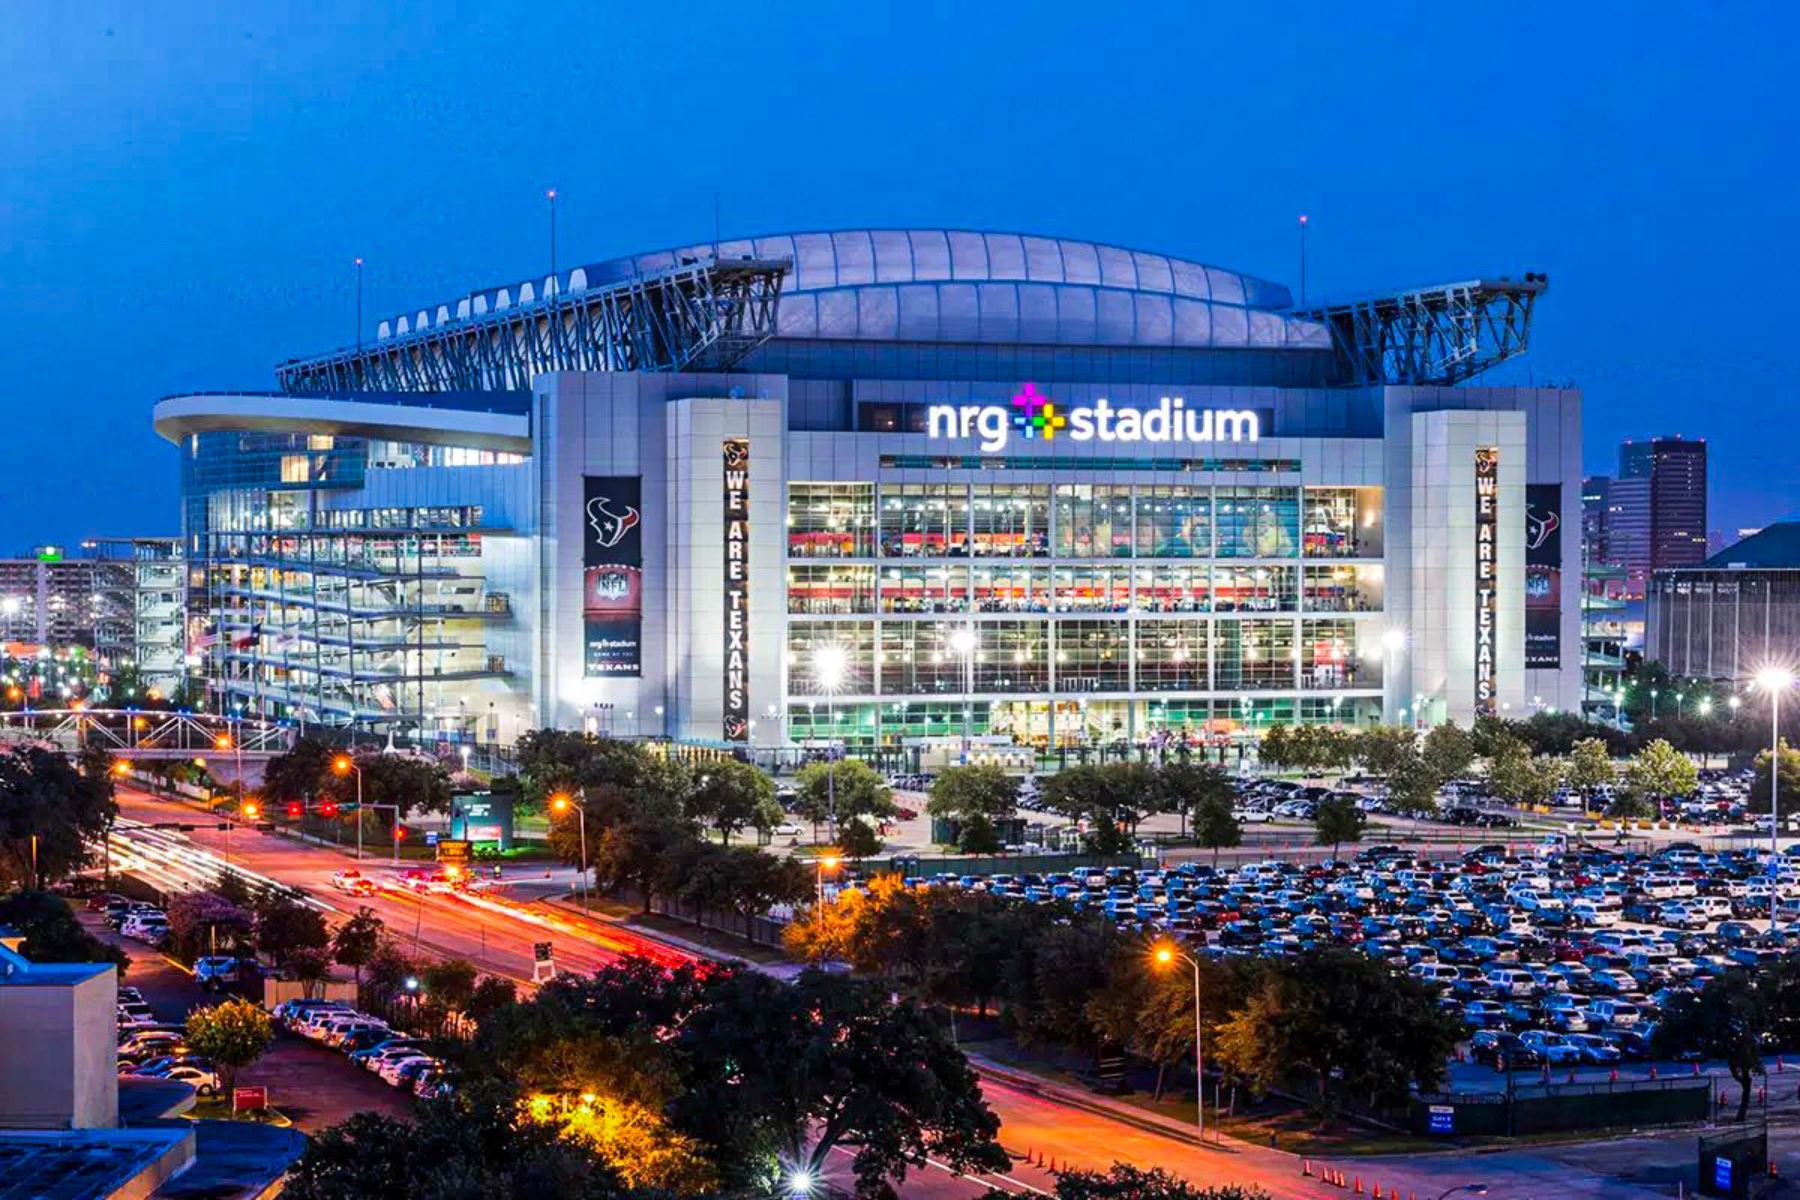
x=1543, y=1108
x=997, y=864
x=758, y=931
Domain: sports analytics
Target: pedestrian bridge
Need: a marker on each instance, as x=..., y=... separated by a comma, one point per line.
x=129, y=733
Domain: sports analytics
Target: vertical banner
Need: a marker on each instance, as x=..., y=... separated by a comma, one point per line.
x=737, y=590
x=1543, y=575
x=1487, y=536
x=612, y=575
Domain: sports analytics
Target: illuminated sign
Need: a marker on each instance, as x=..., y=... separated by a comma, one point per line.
x=1487, y=535
x=1543, y=575
x=1034, y=415
x=612, y=575
x=737, y=590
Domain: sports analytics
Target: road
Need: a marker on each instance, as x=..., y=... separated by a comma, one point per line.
x=1042, y=1129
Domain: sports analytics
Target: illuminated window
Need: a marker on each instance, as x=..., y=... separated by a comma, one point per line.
x=296, y=468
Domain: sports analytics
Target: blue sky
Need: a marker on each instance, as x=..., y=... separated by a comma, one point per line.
x=183, y=187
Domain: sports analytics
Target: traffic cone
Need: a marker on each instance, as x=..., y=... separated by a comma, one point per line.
x=1305, y=1169
x=1779, y=1065
x=1614, y=1077
x=1359, y=1190
x=1571, y=1075
x=1653, y=1070
x=1696, y=1068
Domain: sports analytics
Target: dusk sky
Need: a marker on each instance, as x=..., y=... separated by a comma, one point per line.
x=183, y=188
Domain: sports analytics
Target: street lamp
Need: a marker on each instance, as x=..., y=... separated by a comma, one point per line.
x=562, y=802
x=1164, y=955
x=827, y=862
x=1706, y=706
x=343, y=764
x=962, y=643
x=1774, y=680
x=1473, y=1189
x=829, y=663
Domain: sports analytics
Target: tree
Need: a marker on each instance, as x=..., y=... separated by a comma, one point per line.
x=1658, y=771
x=1125, y=1182
x=1789, y=782
x=1589, y=768
x=1516, y=776
x=1337, y=820
x=1344, y=1023
x=1447, y=751
x=232, y=1034
x=858, y=839
x=1382, y=748
x=842, y=789
x=51, y=815
x=1412, y=784
x=631, y=854
x=356, y=941
x=733, y=796
x=1216, y=825
x=976, y=798
x=1727, y=1019
x=1182, y=787
x=472, y=1146
x=825, y=1062
x=1277, y=747
x=199, y=922
x=51, y=932
x=1110, y=799
x=284, y=927
x=449, y=983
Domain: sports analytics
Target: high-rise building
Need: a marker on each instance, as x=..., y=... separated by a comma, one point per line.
x=1656, y=510
x=120, y=598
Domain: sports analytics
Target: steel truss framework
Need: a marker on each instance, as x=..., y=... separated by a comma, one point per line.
x=1440, y=335
x=141, y=733
x=698, y=316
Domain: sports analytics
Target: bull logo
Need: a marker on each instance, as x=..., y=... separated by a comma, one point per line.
x=1539, y=527
x=610, y=527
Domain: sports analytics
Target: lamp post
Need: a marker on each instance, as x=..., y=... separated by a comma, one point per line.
x=1653, y=695
x=1393, y=644
x=826, y=862
x=829, y=663
x=1774, y=680
x=1165, y=955
x=343, y=764
x=563, y=802
x=962, y=643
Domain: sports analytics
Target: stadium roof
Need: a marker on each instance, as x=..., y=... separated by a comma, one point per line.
x=1776, y=546
x=948, y=285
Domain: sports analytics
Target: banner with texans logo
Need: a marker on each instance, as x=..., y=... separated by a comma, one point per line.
x=612, y=577
x=737, y=590
x=1543, y=575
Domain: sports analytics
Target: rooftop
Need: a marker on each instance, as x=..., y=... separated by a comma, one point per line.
x=87, y=1164
x=1776, y=546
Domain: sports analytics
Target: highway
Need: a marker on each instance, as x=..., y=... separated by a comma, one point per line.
x=1041, y=1126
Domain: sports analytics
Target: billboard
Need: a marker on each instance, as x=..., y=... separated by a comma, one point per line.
x=737, y=590
x=612, y=575
x=1487, y=608
x=1543, y=575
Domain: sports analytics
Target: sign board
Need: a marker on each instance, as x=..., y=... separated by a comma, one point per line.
x=449, y=851
x=1543, y=575
x=1034, y=415
x=543, y=963
x=1440, y=1118
x=431, y=837
x=1487, y=562
x=737, y=590
x=249, y=1099
x=612, y=575
x=482, y=817
x=1722, y=1175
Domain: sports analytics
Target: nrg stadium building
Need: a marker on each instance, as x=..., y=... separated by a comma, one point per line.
x=891, y=488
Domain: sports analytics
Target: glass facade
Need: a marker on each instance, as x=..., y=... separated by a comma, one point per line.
x=306, y=602
x=1216, y=617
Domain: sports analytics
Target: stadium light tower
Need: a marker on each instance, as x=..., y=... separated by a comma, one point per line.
x=1774, y=680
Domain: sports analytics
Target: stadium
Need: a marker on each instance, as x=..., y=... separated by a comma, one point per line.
x=904, y=491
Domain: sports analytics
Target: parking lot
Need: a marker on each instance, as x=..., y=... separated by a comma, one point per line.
x=1560, y=950
x=311, y=1086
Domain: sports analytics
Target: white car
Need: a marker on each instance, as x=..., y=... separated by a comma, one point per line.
x=1253, y=816
x=353, y=881
x=203, y=1080
x=394, y=1071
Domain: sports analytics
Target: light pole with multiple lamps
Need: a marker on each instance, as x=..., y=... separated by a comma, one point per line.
x=1774, y=681
x=1164, y=954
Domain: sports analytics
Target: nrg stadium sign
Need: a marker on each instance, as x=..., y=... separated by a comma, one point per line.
x=1037, y=416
